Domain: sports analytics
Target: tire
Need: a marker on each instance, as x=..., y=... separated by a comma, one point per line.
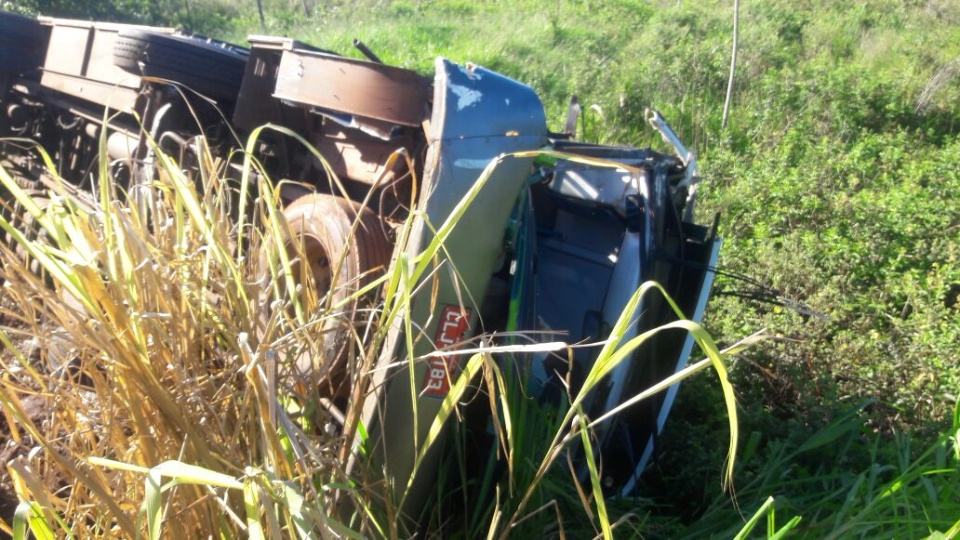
x=211, y=68
x=23, y=43
x=320, y=227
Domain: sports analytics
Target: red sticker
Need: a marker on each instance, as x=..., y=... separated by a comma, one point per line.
x=454, y=323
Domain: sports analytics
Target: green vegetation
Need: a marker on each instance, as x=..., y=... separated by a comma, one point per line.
x=838, y=184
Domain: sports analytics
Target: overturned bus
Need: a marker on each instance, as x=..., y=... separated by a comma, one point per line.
x=557, y=237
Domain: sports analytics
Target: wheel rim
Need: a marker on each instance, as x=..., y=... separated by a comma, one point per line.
x=318, y=265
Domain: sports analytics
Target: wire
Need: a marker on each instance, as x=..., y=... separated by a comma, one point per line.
x=765, y=293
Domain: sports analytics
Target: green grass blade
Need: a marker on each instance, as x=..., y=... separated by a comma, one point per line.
x=754, y=519
x=595, y=481
x=251, y=503
x=152, y=504
x=29, y=514
x=785, y=531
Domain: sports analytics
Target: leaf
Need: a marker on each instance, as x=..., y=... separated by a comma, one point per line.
x=595, y=480
x=251, y=502
x=152, y=504
x=30, y=514
x=754, y=519
x=184, y=473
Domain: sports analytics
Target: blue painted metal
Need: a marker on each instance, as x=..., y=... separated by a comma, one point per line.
x=478, y=116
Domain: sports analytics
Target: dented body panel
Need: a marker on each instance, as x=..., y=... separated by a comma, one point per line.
x=350, y=86
x=468, y=137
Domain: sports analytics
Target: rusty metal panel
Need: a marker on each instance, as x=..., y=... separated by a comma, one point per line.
x=255, y=103
x=277, y=43
x=360, y=157
x=67, y=52
x=107, y=95
x=356, y=87
x=85, y=49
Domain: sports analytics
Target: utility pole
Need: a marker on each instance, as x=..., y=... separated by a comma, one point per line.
x=733, y=63
x=263, y=21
